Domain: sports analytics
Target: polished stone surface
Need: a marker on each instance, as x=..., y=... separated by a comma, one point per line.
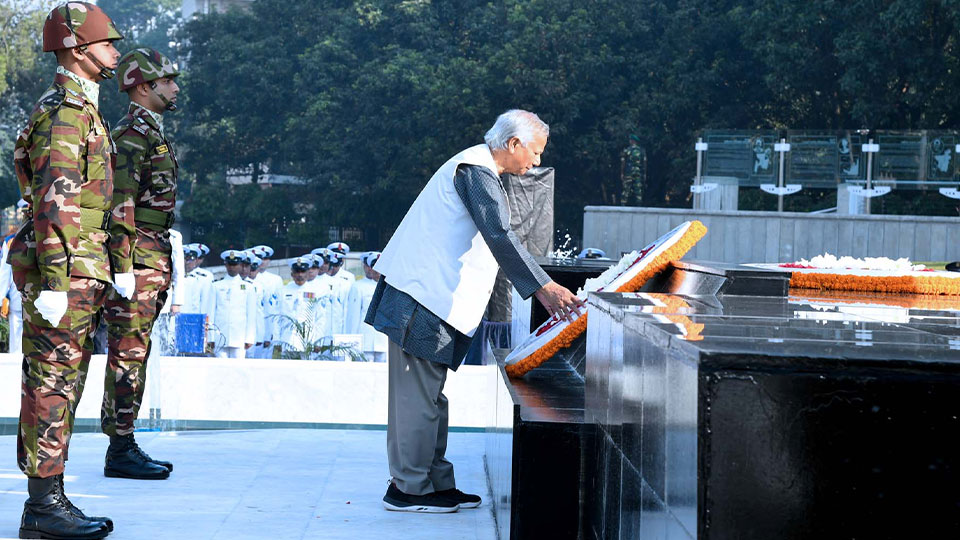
x=534, y=454
x=697, y=278
x=259, y=484
x=805, y=416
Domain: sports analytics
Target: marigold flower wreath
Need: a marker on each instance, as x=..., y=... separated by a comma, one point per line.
x=880, y=274
x=628, y=275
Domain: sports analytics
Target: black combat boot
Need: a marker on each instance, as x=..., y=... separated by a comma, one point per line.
x=125, y=459
x=47, y=515
x=76, y=511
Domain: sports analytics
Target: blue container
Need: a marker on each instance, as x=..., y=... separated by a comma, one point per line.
x=190, y=333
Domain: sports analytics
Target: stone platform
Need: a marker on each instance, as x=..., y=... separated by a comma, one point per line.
x=258, y=484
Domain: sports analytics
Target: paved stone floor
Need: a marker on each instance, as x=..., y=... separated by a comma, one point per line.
x=260, y=484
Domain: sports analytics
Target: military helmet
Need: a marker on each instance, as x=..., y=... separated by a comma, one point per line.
x=144, y=65
x=76, y=24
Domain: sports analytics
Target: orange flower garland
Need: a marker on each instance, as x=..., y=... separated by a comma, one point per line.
x=690, y=237
x=910, y=284
x=922, y=302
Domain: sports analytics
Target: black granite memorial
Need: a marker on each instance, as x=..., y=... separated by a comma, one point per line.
x=716, y=404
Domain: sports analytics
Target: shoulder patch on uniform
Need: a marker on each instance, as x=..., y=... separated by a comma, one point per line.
x=218, y=279
x=73, y=102
x=54, y=99
x=139, y=129
x=162, y=149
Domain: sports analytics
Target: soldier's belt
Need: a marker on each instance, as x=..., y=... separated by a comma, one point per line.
x=153, y=217
x=94, y=219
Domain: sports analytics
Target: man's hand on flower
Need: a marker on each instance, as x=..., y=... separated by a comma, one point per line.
x=558, y=300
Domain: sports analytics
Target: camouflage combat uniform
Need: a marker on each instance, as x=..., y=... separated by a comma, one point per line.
x=63, y=160
x=145, y=185
x=634, y=161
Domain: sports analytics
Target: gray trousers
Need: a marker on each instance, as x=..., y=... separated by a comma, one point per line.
x=417, y=424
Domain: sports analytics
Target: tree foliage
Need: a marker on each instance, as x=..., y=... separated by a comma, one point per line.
x=366, y=98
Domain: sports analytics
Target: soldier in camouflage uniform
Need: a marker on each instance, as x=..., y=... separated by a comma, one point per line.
x=61, y=260
x=633, y=172
x=145, y=186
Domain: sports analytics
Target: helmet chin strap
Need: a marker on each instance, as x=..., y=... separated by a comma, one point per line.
x=169, y=105
x=105, y=72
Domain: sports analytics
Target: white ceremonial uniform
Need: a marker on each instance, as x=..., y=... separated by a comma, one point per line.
x=343, y=283
x=233, y=316
x=255, y=351
x=271, y=285
x=300, y=305
x=374, y=343
x=8, y=290
x=327, y=290
x=196, y=293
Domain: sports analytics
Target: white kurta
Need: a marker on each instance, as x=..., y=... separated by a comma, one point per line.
x=233, y=314
x=357, y=304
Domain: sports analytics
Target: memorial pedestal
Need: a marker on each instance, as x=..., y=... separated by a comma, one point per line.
x=724, y=406
x=778, y=418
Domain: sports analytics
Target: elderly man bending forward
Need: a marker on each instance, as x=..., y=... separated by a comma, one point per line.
x=437, y=275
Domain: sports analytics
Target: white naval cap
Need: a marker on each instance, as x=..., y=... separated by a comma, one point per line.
x=370, y=258
x=234, y=256
x=339, y=247
x=264, y=251
x=301, y=263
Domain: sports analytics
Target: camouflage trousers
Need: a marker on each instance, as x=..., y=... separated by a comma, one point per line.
x=632, y=189
x=55, y=363
x=129, y=323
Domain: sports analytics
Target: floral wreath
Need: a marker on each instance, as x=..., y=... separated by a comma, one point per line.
x=628, y=275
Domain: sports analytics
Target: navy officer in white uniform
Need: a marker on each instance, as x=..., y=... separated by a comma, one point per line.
x=438, y=272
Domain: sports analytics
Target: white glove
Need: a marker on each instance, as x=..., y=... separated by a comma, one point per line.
x=51, y=305
x=125, y=284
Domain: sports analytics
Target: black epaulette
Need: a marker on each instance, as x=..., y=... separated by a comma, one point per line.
x=55, y=99
x=218, y=279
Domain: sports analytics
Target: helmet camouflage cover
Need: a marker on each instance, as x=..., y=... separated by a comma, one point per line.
x=144, y=65
x=75, y=24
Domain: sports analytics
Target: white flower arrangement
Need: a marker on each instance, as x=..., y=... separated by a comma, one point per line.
x=828, y=261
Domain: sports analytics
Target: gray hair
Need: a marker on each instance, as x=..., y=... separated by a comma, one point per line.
x=515, y=123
